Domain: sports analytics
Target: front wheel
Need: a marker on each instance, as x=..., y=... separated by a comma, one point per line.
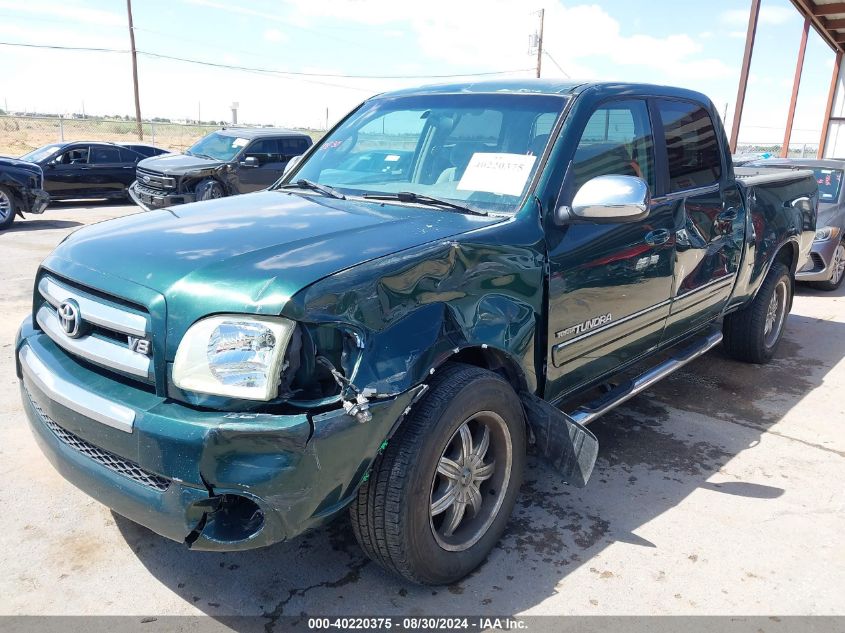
x=439, y=497
x=837, y=270
x=7, y=208
x=209, y=190
x=753, y=333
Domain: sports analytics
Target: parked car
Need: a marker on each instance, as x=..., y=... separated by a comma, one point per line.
x=224, y=163
x=21, y=190
x=826, y=267
x=88, y=169
x=243, y=370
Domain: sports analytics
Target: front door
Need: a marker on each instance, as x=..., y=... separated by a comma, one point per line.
x=63, y=175
x=708, y=211
x=271, y=163
x=609, y=284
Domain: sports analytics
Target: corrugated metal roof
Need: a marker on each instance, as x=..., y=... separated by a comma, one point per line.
x=828, y=18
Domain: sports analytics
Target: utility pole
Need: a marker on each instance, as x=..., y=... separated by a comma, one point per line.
x=135, y=71
x=540, y=43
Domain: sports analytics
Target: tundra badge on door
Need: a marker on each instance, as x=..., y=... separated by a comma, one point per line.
x=589, y=324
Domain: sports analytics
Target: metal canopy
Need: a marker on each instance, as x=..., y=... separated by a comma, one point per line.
x=827, y=17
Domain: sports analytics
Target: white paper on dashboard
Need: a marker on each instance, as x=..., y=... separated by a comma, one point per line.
x=497, y=173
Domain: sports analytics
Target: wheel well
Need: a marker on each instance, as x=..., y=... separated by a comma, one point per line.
x=788, y=255
x=496, y=361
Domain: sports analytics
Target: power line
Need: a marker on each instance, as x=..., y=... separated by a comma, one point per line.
x=554, y=61
x=272, y=71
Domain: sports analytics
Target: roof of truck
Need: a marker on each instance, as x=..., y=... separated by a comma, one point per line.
x=551, y=87
x=256, y=132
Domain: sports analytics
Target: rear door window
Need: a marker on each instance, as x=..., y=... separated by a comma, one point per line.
x=692, y=146
x=290, y=147
x=104, y=155
x=617, y=140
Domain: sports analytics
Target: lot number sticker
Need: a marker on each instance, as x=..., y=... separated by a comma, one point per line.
x=497, y=173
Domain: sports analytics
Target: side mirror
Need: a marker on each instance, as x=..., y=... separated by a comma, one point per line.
x=293, y=162
x=608, y=200
x=50, y=165
x=250, y=161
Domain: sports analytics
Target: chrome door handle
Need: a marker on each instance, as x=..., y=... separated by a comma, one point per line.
x=657, y=237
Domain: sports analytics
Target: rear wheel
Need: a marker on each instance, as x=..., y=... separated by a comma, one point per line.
x=837, y=270
x=439, y=497
x=753, y=333
x=7, y=208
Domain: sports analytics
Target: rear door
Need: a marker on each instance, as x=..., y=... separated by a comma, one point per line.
x=609, y=284
x=105, y=174
x=709, y=215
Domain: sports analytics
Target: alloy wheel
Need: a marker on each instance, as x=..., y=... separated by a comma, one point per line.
x=776, y=314
x=472, y=477
x=838, y=264
x=5, y=206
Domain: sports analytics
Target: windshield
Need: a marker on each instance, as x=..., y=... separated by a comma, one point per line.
x=218, y=146
x=478, y=150
x=37, y=155
x=829, y=182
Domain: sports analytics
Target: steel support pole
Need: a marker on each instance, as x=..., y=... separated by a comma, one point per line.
x=796, y=85
x=743, y=75
x=831, y=96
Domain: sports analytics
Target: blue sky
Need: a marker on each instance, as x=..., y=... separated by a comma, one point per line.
x=693, y=44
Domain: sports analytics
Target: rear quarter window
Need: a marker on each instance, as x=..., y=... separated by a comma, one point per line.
x=692, y=146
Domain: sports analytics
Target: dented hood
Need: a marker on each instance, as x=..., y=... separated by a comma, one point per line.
x=178, y=164
x=247, y=253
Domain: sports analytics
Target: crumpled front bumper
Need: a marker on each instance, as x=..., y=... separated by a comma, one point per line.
x=37, y=201
x=817, y=267
x=150, y=199
x=217, y=481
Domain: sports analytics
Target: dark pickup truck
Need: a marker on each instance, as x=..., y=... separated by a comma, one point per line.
x=224, y=163
x=391, y=341
x=21, y=190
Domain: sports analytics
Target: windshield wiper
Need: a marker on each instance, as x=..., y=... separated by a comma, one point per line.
x=419, y=198
x=204, y=156
x=302, y=183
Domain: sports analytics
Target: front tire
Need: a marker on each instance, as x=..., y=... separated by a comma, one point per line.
x=209, y=190
x=439, y=497
x=837, y=270
x=7, y=208
x=753, y=333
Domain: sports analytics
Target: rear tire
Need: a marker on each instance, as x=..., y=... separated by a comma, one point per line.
x=837, y=274
x=753, y=333
x=439, y=497
x=8, y=209
x=209, y=190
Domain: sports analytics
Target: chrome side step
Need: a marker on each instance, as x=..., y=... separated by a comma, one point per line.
x=625, y=391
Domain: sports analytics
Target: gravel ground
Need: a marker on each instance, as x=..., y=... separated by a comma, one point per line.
x=717, y=492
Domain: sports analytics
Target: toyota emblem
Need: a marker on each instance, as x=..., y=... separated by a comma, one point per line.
x=146, y=179
x=69, y=318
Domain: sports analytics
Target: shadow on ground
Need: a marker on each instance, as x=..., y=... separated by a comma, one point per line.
x=657, y=450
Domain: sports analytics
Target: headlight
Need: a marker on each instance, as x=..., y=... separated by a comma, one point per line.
x=233, y=355
x=826, y=233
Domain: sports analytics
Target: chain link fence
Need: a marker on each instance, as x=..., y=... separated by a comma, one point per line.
x=21, y=134
x=796, y=150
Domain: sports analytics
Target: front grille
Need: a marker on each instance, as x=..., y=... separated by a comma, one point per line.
x=154, y=180
x=110, y=334
x=111, y=461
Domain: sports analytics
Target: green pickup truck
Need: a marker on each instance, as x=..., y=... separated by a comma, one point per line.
x=390, y=327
